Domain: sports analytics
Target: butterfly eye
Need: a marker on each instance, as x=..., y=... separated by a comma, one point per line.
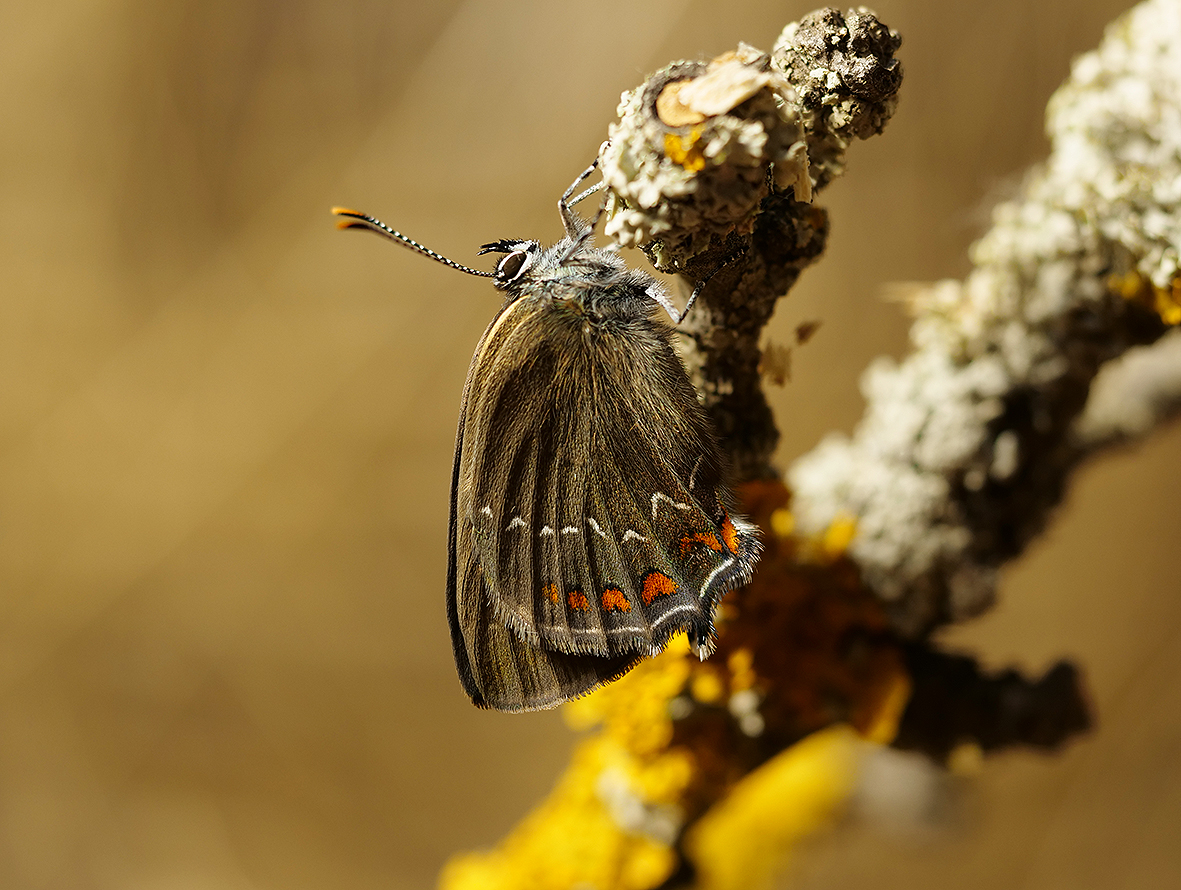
x=512, y=267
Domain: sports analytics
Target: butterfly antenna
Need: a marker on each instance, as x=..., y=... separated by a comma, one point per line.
x=354, y=219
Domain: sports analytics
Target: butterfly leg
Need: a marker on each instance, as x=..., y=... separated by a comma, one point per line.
x=571, y=222
x=701, y=286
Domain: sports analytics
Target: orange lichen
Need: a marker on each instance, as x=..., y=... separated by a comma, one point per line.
x=657, y=584
x=613, y=599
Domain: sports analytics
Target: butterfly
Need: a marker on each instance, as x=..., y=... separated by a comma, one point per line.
x=590, y=516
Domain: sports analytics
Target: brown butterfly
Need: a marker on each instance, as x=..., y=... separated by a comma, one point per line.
x=590, y=519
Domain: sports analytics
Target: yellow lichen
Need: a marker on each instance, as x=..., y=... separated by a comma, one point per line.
x=741, y=665
x=783, y=523
x=839, y=534
x=883, y=725
x=647, y=865
x=634, y=709
x=1167, y=302
x=1164, y=301
x=684, y=150
x=707, y=686
x=570, y=840
x=965, y=759
x=740, y=843
x=664, y=779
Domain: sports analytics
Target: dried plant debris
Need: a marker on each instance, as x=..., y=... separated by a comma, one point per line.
x=775, y=364
x=806, y=330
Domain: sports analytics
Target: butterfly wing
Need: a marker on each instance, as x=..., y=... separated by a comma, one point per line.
x=500, y=670
x=500, y=667
x=589, y=517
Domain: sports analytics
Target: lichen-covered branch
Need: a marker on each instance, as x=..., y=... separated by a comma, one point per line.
x=701, y=774
x=712, y=169
x=967, y=444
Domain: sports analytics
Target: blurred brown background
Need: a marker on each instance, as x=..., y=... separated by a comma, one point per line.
x=226, y=431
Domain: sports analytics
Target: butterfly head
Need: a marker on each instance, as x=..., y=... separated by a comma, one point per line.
x=573, y=268
x=519, y=257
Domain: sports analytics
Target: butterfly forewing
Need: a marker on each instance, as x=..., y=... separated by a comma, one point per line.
x=500, y=670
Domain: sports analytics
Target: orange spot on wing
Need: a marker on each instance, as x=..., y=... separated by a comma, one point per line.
x=577, y=600
x=656, y=584
x=613, y=598
x=730, y=535
x=551, y=593
x=709, y=539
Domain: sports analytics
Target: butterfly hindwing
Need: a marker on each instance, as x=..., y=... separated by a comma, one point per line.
x=684, y=548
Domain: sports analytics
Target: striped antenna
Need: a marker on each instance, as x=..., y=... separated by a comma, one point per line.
x=354, y=219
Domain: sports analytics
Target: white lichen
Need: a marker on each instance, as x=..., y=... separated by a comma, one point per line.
x=965, y=444
x=705, y=170
x=1132, y=396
